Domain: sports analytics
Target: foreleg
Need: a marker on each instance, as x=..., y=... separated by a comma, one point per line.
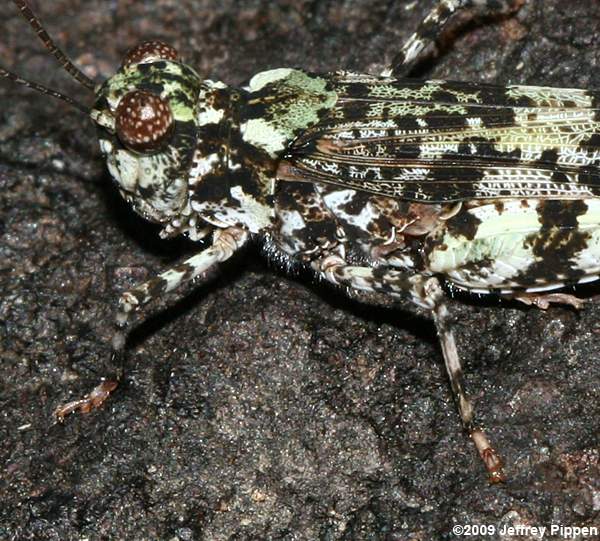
x=422, y=43
x=225, y=243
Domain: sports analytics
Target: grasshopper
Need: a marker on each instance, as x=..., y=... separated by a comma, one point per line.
x=377, y=183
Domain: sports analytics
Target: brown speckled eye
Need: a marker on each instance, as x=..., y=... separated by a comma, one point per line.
x=144, y=121
x=150, y=51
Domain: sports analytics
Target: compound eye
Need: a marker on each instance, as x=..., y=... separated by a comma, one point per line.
x=149, y=51
x=144, y=121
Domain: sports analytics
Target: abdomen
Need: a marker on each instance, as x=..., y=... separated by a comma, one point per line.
x=532, y=245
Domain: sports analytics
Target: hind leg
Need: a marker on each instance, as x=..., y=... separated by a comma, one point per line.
x=427, y=293
x=422, y=43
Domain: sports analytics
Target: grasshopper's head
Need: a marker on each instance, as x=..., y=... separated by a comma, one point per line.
x=147, y=119
x=169, y=142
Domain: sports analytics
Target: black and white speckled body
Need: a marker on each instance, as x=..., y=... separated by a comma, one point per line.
x=378, y=183
x=492, y=188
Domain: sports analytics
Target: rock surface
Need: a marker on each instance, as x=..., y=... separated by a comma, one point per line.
x=262, y=406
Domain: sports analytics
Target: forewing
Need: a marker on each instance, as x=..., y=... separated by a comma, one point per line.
x=439, y=141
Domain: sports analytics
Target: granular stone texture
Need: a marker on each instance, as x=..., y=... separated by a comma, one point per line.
x=260, y=405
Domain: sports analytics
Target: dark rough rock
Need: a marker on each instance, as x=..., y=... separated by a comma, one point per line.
x=262, y=406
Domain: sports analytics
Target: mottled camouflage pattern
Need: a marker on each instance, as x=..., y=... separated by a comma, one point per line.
x=377, y=183
x=491, y=187
x=155, y=184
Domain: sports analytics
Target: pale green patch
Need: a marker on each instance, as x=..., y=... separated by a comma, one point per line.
x=124, y=167
x=262, y=134
x=544, y=96
x=265, y=77
x=588, y=259
x=498, y=251
x=292, y=104
x=187, y=82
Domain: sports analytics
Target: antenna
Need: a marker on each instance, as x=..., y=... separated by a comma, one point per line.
x=67, y=65
x=43, y=89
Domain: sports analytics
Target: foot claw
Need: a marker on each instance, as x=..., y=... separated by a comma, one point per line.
x=90, y=401
x=491, y=459
x=543, y=301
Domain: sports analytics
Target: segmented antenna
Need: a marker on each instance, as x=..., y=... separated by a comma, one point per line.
x=67, y=65
x=43, y=89
x=77, y=74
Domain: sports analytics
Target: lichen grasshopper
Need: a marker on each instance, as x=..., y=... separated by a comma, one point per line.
x=376, y=183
